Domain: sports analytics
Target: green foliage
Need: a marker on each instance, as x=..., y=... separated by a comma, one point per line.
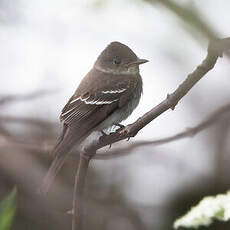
x=7, y=210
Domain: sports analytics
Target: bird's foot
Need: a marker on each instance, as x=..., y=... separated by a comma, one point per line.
x=128, y=132
x=120, y=126
x=103, y=133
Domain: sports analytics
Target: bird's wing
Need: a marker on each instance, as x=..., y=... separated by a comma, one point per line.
x=94, y=106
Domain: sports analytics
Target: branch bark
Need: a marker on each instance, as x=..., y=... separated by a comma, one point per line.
x=79, y=185
x=212, y=119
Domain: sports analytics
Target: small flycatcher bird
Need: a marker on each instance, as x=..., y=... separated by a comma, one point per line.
x=107, y=95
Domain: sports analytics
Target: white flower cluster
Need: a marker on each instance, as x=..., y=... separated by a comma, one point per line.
x=208, y=209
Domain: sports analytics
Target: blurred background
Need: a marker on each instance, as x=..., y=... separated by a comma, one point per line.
x=48, y=46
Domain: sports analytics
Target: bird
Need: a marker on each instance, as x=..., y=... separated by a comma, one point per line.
x=107, y=95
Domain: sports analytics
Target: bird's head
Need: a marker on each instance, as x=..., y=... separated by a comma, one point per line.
x=118, y=58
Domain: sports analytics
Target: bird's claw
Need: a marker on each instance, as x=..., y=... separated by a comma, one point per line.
x=103, y=133
x=120, y=126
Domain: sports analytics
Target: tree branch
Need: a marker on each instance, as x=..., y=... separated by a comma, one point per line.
x=78, y=191
x=215, y=50
x=189, y=132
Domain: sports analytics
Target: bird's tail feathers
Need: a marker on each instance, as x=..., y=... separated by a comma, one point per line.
x=61, y=152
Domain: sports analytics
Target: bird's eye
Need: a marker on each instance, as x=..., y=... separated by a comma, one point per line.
x=116, y=61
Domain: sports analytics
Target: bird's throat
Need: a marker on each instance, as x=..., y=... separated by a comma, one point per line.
x=133, y=70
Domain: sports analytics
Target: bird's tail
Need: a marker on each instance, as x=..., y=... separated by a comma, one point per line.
x=61, y=151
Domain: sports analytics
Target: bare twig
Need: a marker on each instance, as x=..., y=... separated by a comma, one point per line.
x=189, y=132
x=78, y=203
x=215, y=50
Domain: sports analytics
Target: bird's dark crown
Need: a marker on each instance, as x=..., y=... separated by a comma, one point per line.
x=118, y=49
x=115, y=57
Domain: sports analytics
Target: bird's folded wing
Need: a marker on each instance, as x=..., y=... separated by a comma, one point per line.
x=89, y=109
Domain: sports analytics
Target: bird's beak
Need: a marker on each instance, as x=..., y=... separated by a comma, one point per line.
x=138, y=62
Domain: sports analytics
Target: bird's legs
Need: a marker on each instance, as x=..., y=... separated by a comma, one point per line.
x=120, y=126
x=103, y=133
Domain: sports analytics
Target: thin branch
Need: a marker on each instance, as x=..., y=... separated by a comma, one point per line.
x=78, y=199
x=212, y=119
x=215, y=50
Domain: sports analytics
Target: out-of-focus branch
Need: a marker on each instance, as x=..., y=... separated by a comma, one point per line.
x=23, y=97
x=215, y=50
x=40, y=146
x=190, y=16
x=27, y=121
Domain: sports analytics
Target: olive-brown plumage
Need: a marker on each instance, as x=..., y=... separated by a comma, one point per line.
x=107, y=95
